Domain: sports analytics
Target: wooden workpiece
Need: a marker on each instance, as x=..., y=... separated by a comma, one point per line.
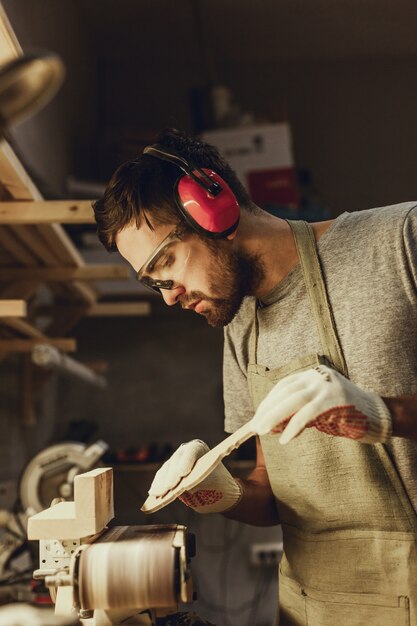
x=90, y=512
x=12, y=308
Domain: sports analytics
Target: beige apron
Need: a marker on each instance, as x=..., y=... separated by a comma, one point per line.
x=350, y=532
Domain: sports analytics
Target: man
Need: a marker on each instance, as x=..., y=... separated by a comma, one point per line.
x=320, y=350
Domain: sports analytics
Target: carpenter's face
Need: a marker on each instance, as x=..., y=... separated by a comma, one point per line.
x=205, y=276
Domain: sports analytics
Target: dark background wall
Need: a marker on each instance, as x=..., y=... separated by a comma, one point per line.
x=341, y=73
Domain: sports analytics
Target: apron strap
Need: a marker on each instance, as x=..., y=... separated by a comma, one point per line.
x=316, y=289
x=253, y=337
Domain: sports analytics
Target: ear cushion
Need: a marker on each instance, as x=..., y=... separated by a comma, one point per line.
x=214, y=216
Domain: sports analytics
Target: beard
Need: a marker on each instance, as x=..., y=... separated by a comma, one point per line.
x=232, y=275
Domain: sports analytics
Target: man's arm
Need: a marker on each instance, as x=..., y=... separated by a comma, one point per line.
x=404, y=416
x=257, y=503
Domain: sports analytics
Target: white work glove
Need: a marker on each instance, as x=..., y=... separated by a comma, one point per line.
x=323, y=398
x=215, y=494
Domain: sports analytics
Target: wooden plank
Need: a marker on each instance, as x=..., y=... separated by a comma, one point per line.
x=23, y=327
x=9, y=45
x=100, y=309
x=83, y=292
x=56, y=237
x=14, y=176
x=12, y=308
x=36, y=244
x=119, y=309
x=47, y=212
x=15, y=247
x=19, y=185
x=47, y=274
x=26, y=345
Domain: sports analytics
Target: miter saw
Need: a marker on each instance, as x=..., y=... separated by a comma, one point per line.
x=123, y=575
x=50, y=474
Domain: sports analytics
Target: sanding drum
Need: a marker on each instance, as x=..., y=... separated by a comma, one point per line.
x=134, y=566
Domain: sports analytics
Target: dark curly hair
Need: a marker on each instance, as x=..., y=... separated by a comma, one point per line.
x=144, y=186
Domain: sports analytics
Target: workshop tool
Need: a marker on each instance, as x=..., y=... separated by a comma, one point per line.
x=50, y=358
x=50, y=473
x=203, y=467
x=126, y=574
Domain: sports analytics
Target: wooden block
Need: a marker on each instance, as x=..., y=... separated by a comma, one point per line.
x=12, y=308
x=119, y=309
x=93, y=495
x=23, y=327
x=101, y=271
x=26, y=345
x=91, y=510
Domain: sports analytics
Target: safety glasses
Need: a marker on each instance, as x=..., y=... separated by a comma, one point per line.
x=154, y=261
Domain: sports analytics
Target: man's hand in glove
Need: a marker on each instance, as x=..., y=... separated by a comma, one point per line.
x=323, y=398
x=215, y=494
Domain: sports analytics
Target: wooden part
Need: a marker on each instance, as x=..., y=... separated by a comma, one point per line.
x=203, y=467
x=90, y=512
x=61, y=273
x=37, y=246
x=23, y=327
x=47, y=212
x=12, y=308
x=99, y=309
x=119, y=309
x=82, y=292
x=9, y=45
x=14, y=179
x=26, y=345
x=16, y=248
x=57, y=239
x=93, y=496
x=14, y=176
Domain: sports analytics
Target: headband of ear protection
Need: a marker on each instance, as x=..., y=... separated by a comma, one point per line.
x=202, y=197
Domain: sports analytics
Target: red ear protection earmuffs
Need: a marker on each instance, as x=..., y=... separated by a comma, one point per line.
x=203, y=199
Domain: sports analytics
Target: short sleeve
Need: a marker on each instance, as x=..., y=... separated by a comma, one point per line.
x=237, y=402
x=410, y=242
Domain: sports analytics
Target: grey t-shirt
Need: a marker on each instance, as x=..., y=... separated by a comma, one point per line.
x=369, y=262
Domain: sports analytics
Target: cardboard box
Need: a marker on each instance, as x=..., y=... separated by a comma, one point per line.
x=262, y=158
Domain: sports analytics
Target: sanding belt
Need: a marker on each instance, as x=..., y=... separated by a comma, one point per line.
x=136, y=571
